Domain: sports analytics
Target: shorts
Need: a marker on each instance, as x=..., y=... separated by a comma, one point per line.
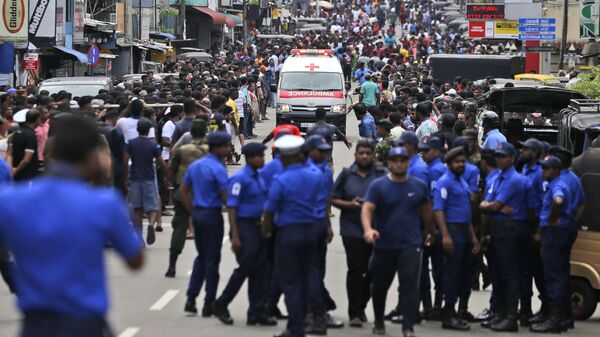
x=143, y=194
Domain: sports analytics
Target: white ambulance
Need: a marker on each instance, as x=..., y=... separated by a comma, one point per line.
x=310, y=79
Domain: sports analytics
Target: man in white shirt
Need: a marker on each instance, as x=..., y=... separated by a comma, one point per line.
x=129, y=124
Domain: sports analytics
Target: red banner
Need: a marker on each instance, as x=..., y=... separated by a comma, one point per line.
x=311, y=94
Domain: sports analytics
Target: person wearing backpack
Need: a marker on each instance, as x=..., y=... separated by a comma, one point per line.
x=348, y=192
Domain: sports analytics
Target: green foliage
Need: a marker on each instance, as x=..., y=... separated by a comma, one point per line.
x=169, y=11
x=589, y=84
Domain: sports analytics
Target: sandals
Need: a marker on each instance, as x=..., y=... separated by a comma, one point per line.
x=379, y=328
x=409, y=333
x=356, y=322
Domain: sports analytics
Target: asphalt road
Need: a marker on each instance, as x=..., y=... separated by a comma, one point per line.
x=146, y=304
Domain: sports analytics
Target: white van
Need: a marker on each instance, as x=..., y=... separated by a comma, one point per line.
x=311, y=79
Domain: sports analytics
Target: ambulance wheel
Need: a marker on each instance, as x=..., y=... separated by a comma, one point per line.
x=583, y=299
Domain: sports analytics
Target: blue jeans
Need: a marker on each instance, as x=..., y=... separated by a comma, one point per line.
x=208, y=237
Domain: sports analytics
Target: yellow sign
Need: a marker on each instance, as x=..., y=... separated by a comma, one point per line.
x=507, y=29
x=14, y=20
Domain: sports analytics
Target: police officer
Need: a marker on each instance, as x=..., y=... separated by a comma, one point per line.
x=530, y=152
x=246, y=197
x=492, y=135
x=452, y=207
x=206, y=181
x=555, y=220
x=181, y=160
x=61, y=275
x=291, y=204
x=392, y=214
x=507, y=208
x=432, y=155
x=317, y=148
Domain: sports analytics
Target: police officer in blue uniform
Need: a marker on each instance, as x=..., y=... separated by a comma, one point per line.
x=507, y=208
x=396, y=216
x=245, y=200
x=555, y=220
x=206, y=181
x=491, y=125
x=317, y=148
x=291, y=206
x=432, y=155
x=531, y=150
x=452, y=207
x=59, y=247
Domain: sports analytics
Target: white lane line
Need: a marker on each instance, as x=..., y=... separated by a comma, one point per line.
x=129, y=332
x=164, y=300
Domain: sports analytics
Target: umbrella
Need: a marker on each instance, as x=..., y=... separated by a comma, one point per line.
x=322, y=4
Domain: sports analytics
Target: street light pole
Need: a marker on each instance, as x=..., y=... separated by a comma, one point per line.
x=563, y=43
x=245, y=21
x=140, y=20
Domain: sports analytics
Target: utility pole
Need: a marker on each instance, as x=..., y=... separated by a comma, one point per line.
x=563, y=43
x=317, y=9
x=140, y=20
x=182, y=18
x=245, y=21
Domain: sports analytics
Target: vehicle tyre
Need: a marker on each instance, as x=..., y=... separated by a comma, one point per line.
x=583, y=299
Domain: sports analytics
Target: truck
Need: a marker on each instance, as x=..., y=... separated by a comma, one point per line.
x=446, y=67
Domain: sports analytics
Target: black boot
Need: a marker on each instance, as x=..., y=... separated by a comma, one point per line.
x=496, y=315
x=463, y=310
x=552, y=324
x=509, y=322
x=436, y=312
x=525, y=313
x=427, y=306
x=318, y=324
x=541, y=315
x=172, y=262
x=451, y=321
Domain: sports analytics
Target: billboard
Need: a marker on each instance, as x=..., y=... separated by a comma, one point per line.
x=506, y=29
x=42, y=22
x=14, y=20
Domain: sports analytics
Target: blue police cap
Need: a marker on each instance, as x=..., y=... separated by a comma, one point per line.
x=455, y=152
x=253, y=149
x=408, y=137
x=218, y=138
x=551, y=162
x=398, y=151
x=317, y=142
x=461, y=142
x=506, y=149
x=431, y=143
x=533, y=144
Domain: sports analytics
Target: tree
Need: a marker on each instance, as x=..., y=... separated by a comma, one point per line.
x=589, y=84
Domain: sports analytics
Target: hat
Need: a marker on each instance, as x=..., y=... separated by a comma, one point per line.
x=263, y=68
x=455, y=152
x=253, y=149
x=506, y=149
x=470, y=134
x=20, y=116
x=11, y=91
x=533, y=144
x=289, y=144
x=551, y=162
x=431, y=143
x=451, y=92
x=317, y=142
x=386, y=124
x=408, y=137
x=218, y=138
x=398, y=151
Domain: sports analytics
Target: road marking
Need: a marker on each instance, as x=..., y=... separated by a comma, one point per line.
x=164, y=300
x=129, y=332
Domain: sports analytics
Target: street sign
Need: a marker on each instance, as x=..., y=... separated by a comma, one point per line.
x=31, y=61
x=537, y=29
x=485, y=11
x=537, y=37
x=589, y=19
x=539, y=49
x=93, y=55
x=481, y=29
x=537, y=21
x=506, y=29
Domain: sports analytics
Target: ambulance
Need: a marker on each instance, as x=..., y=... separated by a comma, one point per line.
x=310, y=79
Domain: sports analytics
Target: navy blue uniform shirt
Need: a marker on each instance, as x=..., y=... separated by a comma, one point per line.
x=556, y=188
x=418, y=169
x=471, y=176
x=294, y=195
x=247, y=193
x=577, y=195
x=436, y=169
x=271, y=170
x=534, y=173
x=452, y=195
x=397, y=214
x=59, y=247
x=325, y=192
x=208, y=178
x=510, y=188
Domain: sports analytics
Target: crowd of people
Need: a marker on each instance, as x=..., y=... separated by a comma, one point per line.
x=434, y=183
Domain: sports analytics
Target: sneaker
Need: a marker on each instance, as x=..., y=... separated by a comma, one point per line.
x=150, y=236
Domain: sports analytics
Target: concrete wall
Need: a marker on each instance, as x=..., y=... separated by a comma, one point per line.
x=555, y=10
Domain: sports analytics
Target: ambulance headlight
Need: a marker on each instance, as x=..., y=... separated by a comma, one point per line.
x=338, y=109
x=284, y=108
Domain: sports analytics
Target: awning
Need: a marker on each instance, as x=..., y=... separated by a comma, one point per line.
x=236, y=19
x=155, y=47
x=163, y=36
x=101, y=26
x=217, y=18
x=79, y=55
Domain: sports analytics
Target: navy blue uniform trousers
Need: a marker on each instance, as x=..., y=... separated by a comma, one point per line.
x=294, y=247
x=252, y=260
x=316, y=276
x=51, y=324
x=208, y=237
x=556, y=247
x=457, y=265
x=436, y=254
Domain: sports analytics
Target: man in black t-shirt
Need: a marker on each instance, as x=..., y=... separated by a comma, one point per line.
x=24, y=156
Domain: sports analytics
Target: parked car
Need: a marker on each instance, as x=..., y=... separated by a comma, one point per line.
x=198, y=56
x=77, y=86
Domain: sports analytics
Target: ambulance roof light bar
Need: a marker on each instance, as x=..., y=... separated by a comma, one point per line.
x=312, y=52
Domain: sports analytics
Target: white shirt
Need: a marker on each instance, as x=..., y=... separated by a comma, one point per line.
x=167, y=132
x=129, y=127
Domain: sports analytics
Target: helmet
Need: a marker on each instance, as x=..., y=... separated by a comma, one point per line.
x=490, y=120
